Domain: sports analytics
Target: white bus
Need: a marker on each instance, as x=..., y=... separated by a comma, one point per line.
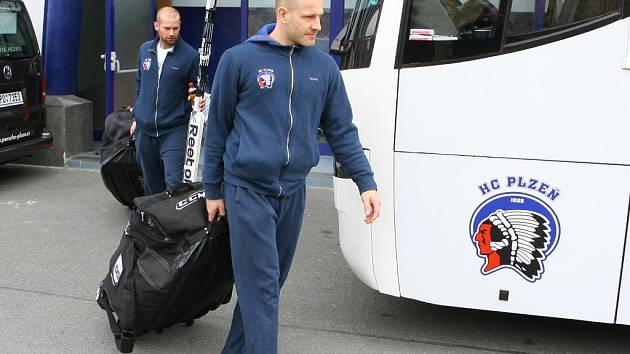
x=499, y=134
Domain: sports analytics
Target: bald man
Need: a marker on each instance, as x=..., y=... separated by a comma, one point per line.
x=166, y=65
x=269, y=96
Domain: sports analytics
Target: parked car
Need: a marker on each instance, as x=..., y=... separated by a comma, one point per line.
x=22, y=86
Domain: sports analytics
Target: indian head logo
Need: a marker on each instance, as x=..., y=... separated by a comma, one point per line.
x=515, y=230
x=146, y=65
x=265, y=78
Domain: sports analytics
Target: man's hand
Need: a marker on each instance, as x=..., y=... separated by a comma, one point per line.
x=371, y=205
x=216, y=208
x=132, y=130
x=191, y=98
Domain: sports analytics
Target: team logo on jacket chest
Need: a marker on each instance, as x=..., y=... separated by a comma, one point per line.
x=515, y=229
x=265, y=78
x=146, y=65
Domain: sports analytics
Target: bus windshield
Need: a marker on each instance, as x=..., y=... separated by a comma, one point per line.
x=355, y=41
x=363, y=22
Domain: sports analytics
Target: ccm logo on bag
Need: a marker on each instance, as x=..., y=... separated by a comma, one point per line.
x=190, y=200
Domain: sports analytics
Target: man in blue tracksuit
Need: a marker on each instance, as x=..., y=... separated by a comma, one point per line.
x=166, y=66
x=269, y=97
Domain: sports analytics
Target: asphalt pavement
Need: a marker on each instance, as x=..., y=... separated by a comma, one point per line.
x=59, y=226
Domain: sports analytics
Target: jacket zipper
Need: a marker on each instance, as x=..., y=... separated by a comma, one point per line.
x=157, y=93
x=290, y=100
x=290, y=112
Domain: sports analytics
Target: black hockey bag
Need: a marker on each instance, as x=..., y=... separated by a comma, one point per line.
x=171, y=266
x=119, y=169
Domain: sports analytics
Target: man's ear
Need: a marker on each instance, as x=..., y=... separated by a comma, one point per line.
x=156, y=26
x=282, y=15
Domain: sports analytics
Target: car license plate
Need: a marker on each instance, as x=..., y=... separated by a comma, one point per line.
x=11, y=99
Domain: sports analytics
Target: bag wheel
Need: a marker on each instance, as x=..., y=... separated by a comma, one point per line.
x=125, y=342
x=190, y=322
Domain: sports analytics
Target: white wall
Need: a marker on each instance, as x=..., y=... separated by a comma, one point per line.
x=36, y=11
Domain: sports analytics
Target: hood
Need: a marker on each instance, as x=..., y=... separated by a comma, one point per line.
x=262, y=36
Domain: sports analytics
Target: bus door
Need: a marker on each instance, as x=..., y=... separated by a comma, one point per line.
x=511, y=156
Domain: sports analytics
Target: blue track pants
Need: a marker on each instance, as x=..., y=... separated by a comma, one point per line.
x=161, y=159
x=263, y=233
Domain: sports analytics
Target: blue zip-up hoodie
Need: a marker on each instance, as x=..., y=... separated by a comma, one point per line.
x=268, y=101
x=168, y=97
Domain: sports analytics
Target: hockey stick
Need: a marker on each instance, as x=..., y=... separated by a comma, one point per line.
x=197, y=117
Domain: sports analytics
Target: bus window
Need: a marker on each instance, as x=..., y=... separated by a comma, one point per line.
x=449, y=30
x=531, y=18
x=356, y=41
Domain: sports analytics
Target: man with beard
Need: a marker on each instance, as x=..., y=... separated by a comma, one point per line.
x=166, y=66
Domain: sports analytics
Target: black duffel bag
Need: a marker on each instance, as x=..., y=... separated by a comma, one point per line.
x=119, y=169
x=171, y=266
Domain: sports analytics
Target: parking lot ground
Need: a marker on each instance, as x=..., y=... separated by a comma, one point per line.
x=60, y=226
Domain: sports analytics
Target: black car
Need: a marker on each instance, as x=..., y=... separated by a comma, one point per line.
x=22, y=86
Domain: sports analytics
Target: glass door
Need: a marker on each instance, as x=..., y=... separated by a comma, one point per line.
x=127, y=25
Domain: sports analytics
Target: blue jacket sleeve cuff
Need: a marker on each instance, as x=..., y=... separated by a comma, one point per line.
x=365, y=184
x=213, y=192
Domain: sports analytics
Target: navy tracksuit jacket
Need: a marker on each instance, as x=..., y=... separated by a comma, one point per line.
x=268, y=101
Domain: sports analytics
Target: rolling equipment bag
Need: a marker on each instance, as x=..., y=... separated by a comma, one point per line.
x=119, y=169
x=171, y=266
